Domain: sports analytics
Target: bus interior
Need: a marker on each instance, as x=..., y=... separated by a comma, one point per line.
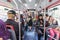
x=30, y=19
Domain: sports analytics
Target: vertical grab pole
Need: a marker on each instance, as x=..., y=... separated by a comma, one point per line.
x=44, y=20
x=44, y=23
x=19, y=25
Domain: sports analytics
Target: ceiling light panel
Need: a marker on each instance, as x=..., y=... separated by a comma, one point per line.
x=30, y=0
x=25, y=4
x=35, y=5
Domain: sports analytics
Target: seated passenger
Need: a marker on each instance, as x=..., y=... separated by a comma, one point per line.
x=4, y=33
x=57, y=31
x=52, y=33
x=11, y=21
x=52, y=21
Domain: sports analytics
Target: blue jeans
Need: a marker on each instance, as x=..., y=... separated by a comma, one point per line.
x=30, y=36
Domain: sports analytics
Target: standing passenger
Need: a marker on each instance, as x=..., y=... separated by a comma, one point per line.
x=22, y=25
x=11, y=21
x=40, y=25
x=30, y=32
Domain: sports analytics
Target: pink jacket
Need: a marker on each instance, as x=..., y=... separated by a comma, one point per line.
x=51, y=32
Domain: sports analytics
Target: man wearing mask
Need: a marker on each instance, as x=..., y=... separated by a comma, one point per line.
x=11, y=21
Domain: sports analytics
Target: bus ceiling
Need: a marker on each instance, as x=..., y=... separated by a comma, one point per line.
x=29, y=4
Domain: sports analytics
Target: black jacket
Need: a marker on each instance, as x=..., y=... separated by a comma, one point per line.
x=14, y=24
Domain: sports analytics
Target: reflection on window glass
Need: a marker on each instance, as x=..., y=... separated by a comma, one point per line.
x=3, y=13
x=55, y=12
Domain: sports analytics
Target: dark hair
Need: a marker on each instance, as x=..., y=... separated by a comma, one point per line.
x=46, y=14
x=40, y=15
x=30, y=17
x=21, y=16
x=49, y=17
x=30, y=22
x=12, y=12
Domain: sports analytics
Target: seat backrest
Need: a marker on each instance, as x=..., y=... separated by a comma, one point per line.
x=51, y=34
x=12, y=32
x=13, y=35
x=10, y=27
